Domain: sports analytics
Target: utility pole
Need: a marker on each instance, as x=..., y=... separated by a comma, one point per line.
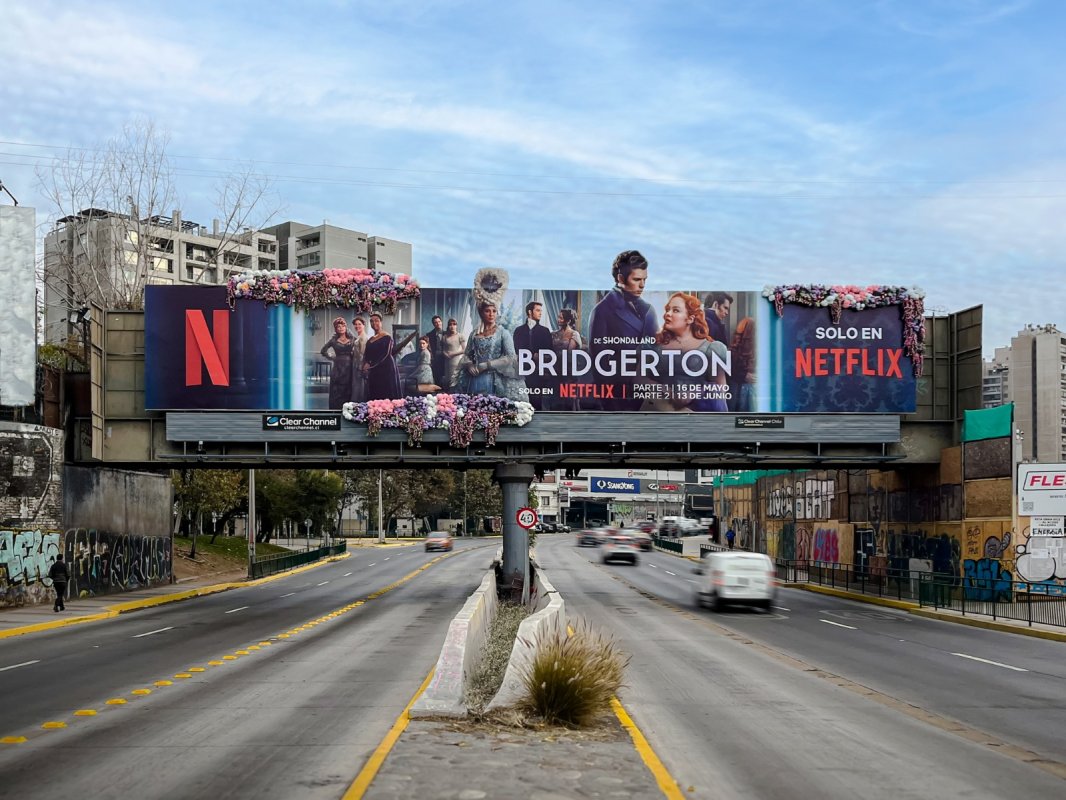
x=381, y=530
x=251, y=522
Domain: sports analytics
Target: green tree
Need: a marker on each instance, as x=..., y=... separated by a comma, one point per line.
x=319, y=493
x=207, y=491
x=482, y=496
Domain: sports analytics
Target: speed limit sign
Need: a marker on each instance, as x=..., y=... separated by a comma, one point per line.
x=526, y=518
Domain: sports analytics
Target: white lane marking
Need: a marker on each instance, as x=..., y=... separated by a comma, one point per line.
x=346, y=574
x=290, y=594
x=668, y=572
x=236, y=609
x=387, y=557
x=139, y=635
x=691, y=581
x=782, y=608
x=373, y=565
x=839, y=624
x=652, y=565
x=993, y=663
x=23, y=664
x=323, y=583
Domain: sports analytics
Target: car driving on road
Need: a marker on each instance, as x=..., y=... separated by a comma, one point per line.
x=620, y=547
x=439, y=540
x=733, y=577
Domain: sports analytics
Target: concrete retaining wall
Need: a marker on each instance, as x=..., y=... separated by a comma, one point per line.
x=550, y=618
x=444, y=697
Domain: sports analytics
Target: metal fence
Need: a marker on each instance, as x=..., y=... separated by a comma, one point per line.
x=1032, y=603
x=285, y=561
x=670, y=545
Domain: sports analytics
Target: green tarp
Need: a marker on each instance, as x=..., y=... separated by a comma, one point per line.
x=987, y=423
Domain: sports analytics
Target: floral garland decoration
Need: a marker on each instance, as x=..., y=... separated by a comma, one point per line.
x=364, y=290
x=460, y=414
x=856, y=298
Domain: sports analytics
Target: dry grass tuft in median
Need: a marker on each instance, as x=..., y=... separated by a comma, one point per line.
x=572, y=678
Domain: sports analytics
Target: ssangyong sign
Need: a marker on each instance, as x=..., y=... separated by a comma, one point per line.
x=1042, y=489
x=601, y=485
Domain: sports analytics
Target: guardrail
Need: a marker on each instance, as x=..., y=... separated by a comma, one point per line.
x=286, y=561
x=670, y=545
x=711, y=548
x=999, y=598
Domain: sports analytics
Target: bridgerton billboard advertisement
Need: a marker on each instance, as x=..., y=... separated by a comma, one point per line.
x=313, y=341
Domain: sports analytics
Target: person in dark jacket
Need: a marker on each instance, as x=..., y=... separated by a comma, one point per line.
x=60, y=578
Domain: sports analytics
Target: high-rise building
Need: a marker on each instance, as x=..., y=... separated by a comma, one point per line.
x=312, y=247
x=1034, y=370
x=995, y=380
x=106, y=257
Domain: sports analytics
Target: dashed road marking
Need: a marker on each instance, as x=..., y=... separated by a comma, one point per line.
x=290, y=594
x=23, y=664
x=233, y=610
x=160, y=630
x=346, y=574
x=782, y=608
x=993, y=663
x=839, y=624
x=323, y=583
x=668, y=572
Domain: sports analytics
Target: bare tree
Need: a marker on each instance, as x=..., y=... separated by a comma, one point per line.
x=110, y=199
x=114, y=204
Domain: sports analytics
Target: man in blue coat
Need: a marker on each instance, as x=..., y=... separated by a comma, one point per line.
x=534, y=337
x=622, y=321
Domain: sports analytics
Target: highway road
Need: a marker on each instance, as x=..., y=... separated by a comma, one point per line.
x=823, y=697
x=290, y=685
x=280, y=699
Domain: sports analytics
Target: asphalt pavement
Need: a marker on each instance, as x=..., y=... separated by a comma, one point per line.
x=436, y=758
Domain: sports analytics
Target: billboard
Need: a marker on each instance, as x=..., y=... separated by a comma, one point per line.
x=18, y=314
x=684, y=351
x=1042, y=489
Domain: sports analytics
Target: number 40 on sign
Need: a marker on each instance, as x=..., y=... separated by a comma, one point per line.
x=526, y=518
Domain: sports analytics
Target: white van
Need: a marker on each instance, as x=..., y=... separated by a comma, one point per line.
x=734, y=577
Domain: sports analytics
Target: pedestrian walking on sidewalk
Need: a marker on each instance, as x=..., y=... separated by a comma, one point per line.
x=730, y=536
x=60, y=578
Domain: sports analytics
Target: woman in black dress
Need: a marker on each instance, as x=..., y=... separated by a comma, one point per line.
x=339, y=351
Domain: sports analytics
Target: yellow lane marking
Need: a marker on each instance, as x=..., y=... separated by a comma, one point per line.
x=215, y=663
x=141, y=692
x=183, y=675
x=265, y=644
x=164, y=683
x=13, y=740
x=242, y=652
x=54, y=725
x=229, y=658
x=85, y=712
x=196, y=669
x=370, y=769
x=667, y=785
x=116, y=701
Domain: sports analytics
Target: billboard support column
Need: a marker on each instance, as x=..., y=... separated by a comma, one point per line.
x=514, y=480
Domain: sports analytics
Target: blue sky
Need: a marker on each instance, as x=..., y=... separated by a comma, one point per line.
x=736, y=144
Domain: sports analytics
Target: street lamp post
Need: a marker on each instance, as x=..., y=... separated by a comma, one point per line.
x=307, y=525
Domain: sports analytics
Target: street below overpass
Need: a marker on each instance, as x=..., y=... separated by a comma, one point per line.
x=824, y=697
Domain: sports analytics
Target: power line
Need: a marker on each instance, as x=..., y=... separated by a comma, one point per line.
x=527, y=176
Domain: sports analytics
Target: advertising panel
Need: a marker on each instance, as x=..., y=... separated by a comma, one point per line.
x=18, y=317
x=605, y=485
x=560, y=350
x=1042, y=489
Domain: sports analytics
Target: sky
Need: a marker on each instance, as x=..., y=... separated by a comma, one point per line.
x=735, y=144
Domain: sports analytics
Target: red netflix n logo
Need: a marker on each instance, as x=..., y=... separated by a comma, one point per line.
x=203, y=347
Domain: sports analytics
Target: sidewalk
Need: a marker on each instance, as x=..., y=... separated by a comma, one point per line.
x=28, y=619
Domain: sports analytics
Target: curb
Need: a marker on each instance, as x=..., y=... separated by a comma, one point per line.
x=991, y=625
x=150, y=602
x=902, y=605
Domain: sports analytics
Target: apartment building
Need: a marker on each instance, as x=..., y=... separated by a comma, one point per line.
x=1031, y=373
x=107, y=257
x=311, y=247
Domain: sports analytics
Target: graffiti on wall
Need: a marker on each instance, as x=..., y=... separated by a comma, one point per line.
x=99, y=562
x=986, y=579
x=25, y=556
x=809, y=498
x=1042, y=560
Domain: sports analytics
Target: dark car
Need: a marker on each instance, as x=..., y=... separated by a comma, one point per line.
x=588, y=538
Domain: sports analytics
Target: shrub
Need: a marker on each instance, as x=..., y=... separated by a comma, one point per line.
x=572, y=678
